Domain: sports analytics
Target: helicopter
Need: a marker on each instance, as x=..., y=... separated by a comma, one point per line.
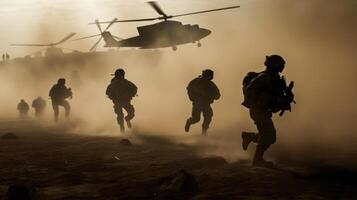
x=167, y=33
x=52, y=49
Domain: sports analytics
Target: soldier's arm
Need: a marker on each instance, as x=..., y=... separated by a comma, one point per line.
x=134, y=87
x=108, y=91
x=51, y=91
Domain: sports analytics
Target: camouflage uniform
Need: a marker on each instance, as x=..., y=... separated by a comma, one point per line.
x=39, y=105
x=59, y=93
x=121, y=91
x=202, y=91
x=23, y=108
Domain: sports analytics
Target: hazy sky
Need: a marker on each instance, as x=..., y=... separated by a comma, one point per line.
x=25, y=21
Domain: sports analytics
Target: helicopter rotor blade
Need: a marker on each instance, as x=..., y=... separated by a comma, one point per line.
x=156, y=7
x=47, y=45
x=95, y=45
x=164, y=16
x=110, y=24
x=32, y=45
x=129, y=20
x=205, y=11
x=98, y=25
x=82, y=38
x=65, y=39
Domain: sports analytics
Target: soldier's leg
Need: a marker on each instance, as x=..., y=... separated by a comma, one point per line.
x=267, y=136
x=55, y=110
x=247, y=138
x=207, y=118
x=120, y=116
x=131, y=113
x=195, y=116
x=67, y=108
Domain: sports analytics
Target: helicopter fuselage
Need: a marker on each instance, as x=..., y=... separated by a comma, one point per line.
x=161, y=35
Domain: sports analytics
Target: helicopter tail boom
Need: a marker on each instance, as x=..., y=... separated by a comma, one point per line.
x=109, y=40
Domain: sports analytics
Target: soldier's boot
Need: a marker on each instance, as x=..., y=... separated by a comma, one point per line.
x=121, y=124
x=128, y=123
x=259, y=161
x=187, y=125
x=56, y=118
x=247, y=138
x=204, y=131
x=122, y=128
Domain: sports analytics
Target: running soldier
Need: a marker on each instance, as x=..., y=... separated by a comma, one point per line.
x=202, y=91
x=23, y=108
x=265, y=93
x=59, y=93
x=121, y=91
x=39, y=105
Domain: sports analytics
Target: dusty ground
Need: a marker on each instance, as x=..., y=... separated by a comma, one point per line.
x=62, y=165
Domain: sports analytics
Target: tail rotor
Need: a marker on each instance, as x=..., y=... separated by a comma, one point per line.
x=94, y=46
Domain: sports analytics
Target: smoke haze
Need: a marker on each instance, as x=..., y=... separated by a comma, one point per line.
x=317, y=39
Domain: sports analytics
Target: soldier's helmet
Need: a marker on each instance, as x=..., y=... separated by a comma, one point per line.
x=61, y=81
x=208, y=74
x=275, y=63
x=119, y=72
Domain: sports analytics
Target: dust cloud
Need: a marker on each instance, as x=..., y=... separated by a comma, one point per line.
x=317, y=39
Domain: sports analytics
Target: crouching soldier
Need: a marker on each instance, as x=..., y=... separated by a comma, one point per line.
x=59, y=93
x=202, y=91
x=23, y=108
x=121, y=91
x=39, y=105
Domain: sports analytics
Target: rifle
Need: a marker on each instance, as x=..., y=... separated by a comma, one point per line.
x=289, y=96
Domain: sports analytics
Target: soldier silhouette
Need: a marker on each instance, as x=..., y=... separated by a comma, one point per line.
x=7, y=56
x=23, y=108
x=264, y=94
x=39, y=105
x=202, y=91
x=121, y=91
x=3, y=57
x=59, y=93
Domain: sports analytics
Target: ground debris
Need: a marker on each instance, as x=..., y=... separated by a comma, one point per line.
x=21, y=192
x=180, y=182
x=125, y=142
x=9, y=136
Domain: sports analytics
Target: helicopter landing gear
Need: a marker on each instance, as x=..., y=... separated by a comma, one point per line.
x=174, y=48
x=199, y=44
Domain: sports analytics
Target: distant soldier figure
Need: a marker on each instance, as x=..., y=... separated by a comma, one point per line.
x=121, y=91
x=265, y=93
x=202, y=91
x=7, y=56
x=59, y=93
x=3, y=57
x=23, y=108
x=39, y=105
